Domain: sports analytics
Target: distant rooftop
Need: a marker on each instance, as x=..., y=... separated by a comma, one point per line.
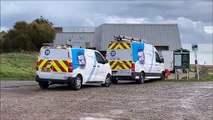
x=144, y=24
x=75, y=29
x=92, y=29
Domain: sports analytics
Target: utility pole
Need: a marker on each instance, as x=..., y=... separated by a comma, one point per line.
x=195, y=49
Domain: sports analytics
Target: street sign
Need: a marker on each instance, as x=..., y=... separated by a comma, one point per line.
x=194, y=47
x=181, y=59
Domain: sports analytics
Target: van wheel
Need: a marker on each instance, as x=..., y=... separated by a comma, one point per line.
x=107, y=82
x=141, y=79
x=114, y=80
x=77, y=83
x=162, y=76
x=43, y=85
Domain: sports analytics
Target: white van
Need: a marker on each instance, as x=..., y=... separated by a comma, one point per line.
x=133, y=59
x=72, y=66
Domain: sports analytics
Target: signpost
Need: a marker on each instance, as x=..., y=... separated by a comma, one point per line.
x=181, y=60
x=195, y=49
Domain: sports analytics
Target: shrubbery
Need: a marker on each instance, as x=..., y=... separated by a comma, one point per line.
x=27, y=36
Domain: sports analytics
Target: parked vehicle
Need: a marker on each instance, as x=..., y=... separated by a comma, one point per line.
x=168, y=59
x=133, y=58
x=73, y=66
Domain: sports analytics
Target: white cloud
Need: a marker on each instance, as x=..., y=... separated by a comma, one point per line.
x=190, y=31
x=208, y=29
x=4, y=29
x=116, y=19
x=91, y=23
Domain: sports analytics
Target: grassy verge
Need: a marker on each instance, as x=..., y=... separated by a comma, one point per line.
x=18, y=66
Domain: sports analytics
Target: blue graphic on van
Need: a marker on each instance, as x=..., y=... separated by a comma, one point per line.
x=138, y=52
x=47, y=52
x=141, y=56
x=78, y=58
x=81, y=60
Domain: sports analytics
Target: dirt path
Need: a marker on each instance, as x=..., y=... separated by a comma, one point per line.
x=152, y=100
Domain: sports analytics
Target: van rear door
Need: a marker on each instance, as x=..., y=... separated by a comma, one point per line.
x=120, y=60
x=44, y=63
x=54, y=63
x=61, y=64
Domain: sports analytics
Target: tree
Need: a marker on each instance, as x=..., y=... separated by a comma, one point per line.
x=24, y=36
x=2, y=40
x=17, y=38
x=41, y=31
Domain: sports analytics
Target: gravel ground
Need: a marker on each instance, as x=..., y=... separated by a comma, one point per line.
x=124, y=101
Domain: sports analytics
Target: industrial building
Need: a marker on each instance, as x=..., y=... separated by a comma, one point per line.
x=76, y=36
x=162, y=36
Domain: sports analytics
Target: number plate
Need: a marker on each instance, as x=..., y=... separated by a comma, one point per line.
x=125, y=72
x=46, y=70
x=114, y=72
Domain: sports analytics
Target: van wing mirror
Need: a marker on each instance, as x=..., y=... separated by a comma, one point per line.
x=106, y=61
x=162, y=60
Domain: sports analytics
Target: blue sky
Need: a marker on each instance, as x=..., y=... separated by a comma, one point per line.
x=194, y=17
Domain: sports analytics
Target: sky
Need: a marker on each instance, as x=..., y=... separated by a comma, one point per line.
x=194, y=17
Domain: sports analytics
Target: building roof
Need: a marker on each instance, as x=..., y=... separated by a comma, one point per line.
x=155, y=34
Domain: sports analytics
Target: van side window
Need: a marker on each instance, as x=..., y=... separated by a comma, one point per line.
x=157, y=57
x=99, y=58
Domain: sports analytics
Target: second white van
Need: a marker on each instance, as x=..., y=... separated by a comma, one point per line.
x=131, y=58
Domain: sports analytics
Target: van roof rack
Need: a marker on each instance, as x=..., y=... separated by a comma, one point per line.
x=55, y=45
x=126, y=38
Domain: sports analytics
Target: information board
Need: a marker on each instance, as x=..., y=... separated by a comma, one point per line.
x=181, y=59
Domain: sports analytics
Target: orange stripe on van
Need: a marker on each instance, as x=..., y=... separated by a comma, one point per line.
x=61, y=67
x=119, y=45
x=55, y=65
x=120, y=65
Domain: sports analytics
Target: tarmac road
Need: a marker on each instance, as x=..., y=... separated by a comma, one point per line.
x=24, y=100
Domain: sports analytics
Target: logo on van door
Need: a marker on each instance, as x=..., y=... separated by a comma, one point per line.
x=47, y=52
x=81, y=60
x=112, y=53
x=141, y=56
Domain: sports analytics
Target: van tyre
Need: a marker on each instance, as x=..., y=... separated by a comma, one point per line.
x=162, y=76
x=114, y=80
x=107, y=82
x=142, y=78
x=77, y=83
x=43, y=85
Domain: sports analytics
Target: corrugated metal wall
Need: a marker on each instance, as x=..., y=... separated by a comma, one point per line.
x=98, y=37
x=75, y=38
x=155, y=34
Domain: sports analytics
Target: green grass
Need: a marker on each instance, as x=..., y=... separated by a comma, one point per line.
x=207, y=78
x=18, y=66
